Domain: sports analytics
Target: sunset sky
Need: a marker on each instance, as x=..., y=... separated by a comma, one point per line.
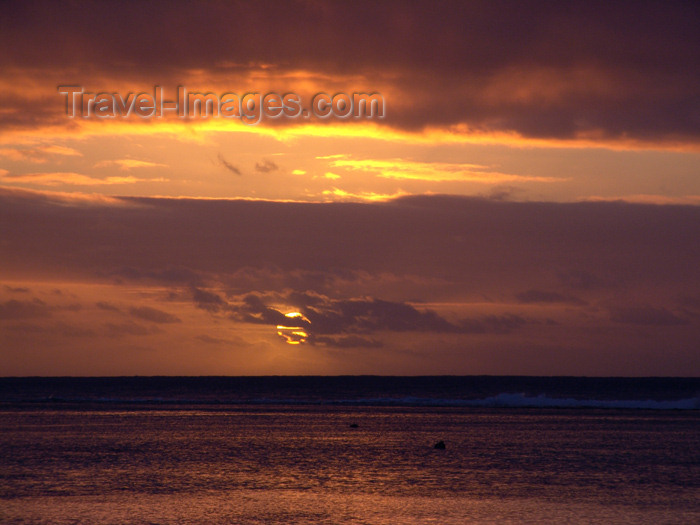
x=529, y=204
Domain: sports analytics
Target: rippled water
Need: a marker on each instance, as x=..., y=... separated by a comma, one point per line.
x=309, y=465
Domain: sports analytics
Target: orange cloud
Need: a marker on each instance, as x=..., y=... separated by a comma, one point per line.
x=70, y=178
x=72, y=198
x=127, y=164
x=434, y=171
x=60, y=150
x=38, y=154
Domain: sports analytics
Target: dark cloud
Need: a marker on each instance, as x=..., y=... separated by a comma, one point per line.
x=348, y=341
x=210, y=340
x=330, y=316
x=153, y=315
x=323, y=316
x=13, y=309
x=207, y=300
x=614, y=69
x=541, y=296
x=13, y=289
x=226, y=164
x=234, y=342
x=502, y=193
x=266, y=166
x=103, y=305
x=647, y=316
x=365, y=316
x=254, y=310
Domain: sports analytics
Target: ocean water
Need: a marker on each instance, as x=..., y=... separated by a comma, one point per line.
x=349, y=450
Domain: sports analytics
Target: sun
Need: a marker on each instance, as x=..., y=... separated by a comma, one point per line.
x=293, y=333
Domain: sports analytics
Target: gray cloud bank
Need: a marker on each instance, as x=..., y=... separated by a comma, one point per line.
x=538, y=252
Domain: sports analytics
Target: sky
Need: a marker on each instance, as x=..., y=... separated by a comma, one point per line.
x=525, y=200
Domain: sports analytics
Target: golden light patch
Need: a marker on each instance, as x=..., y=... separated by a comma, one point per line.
x=434, y=171
x=196, y=130
x=363, y=196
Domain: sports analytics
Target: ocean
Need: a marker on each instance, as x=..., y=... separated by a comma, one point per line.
x=358, y=450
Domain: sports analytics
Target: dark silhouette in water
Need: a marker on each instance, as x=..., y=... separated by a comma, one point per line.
x=354, y=425
x=440, y=445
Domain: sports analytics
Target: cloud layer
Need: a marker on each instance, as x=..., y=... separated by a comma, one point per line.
x=594, y=70
x=599, y=282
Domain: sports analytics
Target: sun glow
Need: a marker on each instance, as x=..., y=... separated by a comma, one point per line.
x=293, y=334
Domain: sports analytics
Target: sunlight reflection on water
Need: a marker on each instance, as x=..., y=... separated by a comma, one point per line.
x=348, y=465
x=297, y=507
